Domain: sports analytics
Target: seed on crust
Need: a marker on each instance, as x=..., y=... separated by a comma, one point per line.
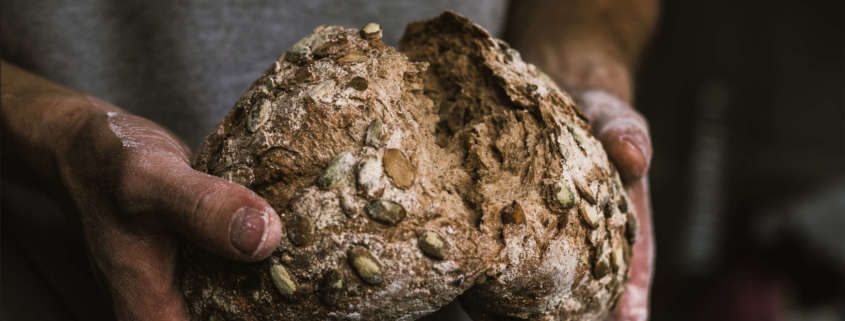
x=259, y=115
x=608, y=209
x=375, y=135
x=303, y=75
x=622, y=204
x=617, y=259
x=282, y=280
x=358, y=83
x=300, y=229
x=601, y=264
x=369, y=177
x=371, y=31
x=336, y=171
x=513, y=214
x=365, y=265
x=590, y=215
x=585, y=191
x=399, y=168
x=352, y=58
x=297, y=54
x=632, y=227
x=433, y=245
x=386, y=212
x=564, y=196
x=331, y=48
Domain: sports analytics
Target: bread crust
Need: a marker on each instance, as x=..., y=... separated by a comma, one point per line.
x=398, y=176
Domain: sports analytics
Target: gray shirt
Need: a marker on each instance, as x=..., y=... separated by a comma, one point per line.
x=183, y=64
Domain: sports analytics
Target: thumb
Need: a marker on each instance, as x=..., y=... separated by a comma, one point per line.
x=221, y=216
x=622, y=130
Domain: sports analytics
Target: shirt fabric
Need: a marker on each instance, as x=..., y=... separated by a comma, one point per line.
x=183, y=64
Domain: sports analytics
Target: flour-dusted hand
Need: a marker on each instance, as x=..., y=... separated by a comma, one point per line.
x=624, y=134
x=622, y=130
x=134, y=191
x=591, y=48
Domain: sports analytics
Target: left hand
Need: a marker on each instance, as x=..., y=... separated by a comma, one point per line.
x=624, y=134
x=591, y=49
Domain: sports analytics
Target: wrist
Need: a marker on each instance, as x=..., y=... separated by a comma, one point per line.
x=60, y=118
x=580, y=69
x=36, y=113
x=580, y=64
x=37, y=119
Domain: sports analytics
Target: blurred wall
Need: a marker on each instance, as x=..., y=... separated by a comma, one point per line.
x=746, y=101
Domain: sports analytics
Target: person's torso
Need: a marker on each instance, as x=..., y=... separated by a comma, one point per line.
x=184, y=64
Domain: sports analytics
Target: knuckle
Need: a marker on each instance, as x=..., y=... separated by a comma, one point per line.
x=204, y=204
x=136, y=186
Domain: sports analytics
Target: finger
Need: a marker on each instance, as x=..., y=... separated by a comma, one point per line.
x=138, y=272
x=218, y=215
x=622, y=130
x=633, y=306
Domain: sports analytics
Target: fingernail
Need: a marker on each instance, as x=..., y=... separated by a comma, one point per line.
x=638, y=149
x=632, y=158
x=247, y=230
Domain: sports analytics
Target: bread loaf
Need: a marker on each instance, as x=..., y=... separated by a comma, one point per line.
x=407, y=179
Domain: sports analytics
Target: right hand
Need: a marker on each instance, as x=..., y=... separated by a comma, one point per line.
x=132, y=189
x=138, y=197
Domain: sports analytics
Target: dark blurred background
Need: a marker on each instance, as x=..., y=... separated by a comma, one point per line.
x=746, y=101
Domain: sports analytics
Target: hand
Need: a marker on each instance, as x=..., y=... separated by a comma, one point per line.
x=138, y=197
x=133, y=189
x=624, y=133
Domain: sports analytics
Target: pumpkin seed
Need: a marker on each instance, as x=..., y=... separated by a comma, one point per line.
x=386, y=212
x=397, y=166
x=282, y=280
x=513, y=214
x=590, y=215
x=433, y=245
x=564, y=196
x=338, y=169
x=371, y=31
x=300, y=229
x=375, y=135
x=365, y=265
